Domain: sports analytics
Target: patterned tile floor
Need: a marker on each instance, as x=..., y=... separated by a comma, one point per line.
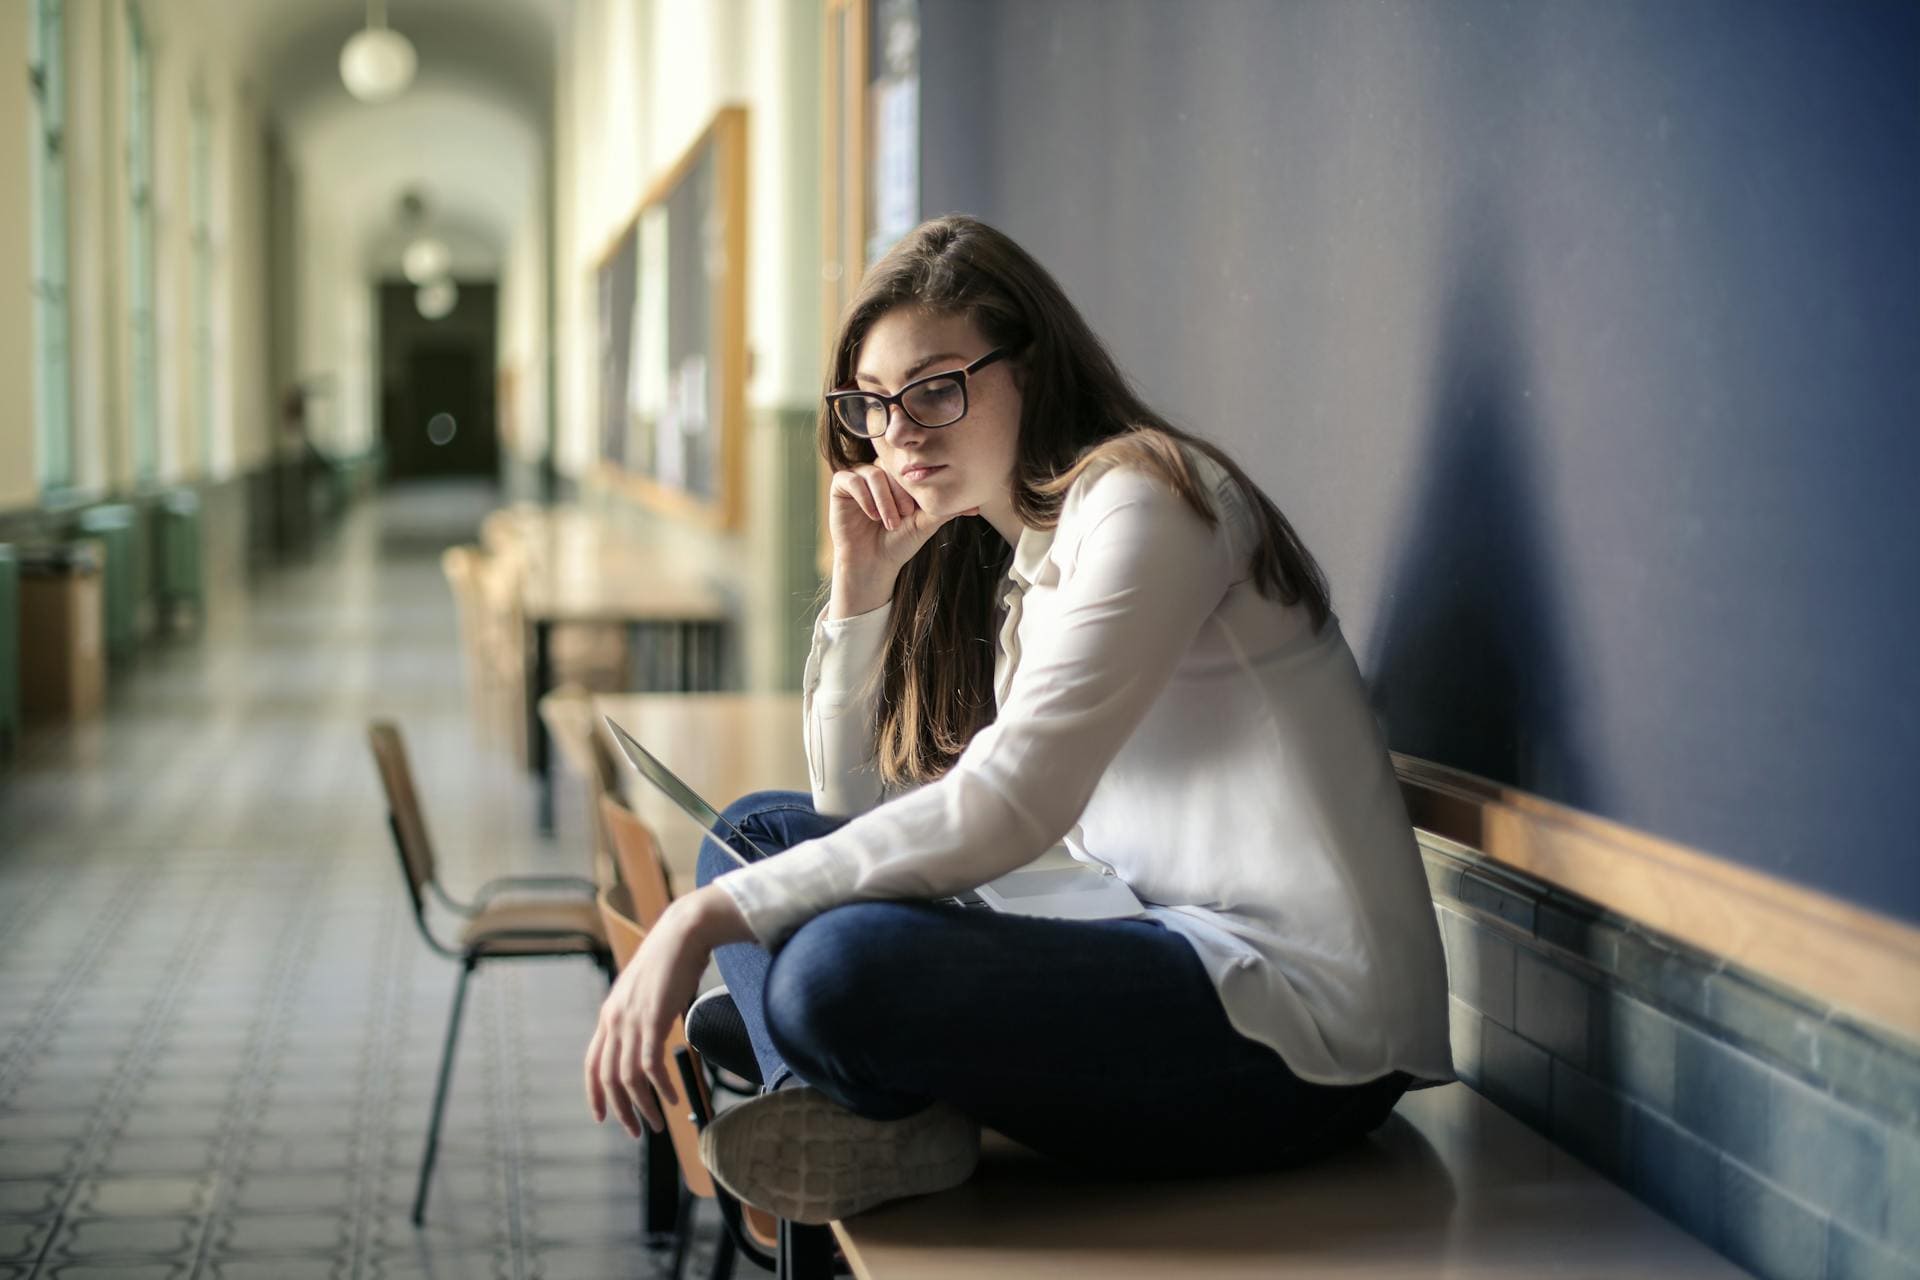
x=218, y=1027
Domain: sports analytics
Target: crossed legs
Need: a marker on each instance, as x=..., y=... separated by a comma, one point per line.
x=1101, y=1043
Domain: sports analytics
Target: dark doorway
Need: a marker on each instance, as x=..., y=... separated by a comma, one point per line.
x=438, y=416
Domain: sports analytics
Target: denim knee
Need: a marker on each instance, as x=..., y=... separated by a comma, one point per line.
x=714, y=861
x=747, y=809
x=834, y=1004
x=747, y=814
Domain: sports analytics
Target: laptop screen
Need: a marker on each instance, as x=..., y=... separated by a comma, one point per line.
x=679, y=792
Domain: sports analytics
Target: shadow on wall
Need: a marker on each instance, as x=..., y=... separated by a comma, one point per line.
x=1469, y=663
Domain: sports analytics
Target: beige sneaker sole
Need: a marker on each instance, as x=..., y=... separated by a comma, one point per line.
x=801, y=1156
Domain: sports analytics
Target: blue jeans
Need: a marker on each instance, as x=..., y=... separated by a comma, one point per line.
x=1101, y=1043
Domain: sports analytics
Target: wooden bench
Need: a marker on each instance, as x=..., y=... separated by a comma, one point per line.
x=1451, y=1185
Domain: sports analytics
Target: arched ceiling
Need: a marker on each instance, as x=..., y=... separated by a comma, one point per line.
x=477, y=163
x=470, y=135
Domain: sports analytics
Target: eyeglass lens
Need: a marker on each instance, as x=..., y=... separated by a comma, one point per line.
x=937, y=402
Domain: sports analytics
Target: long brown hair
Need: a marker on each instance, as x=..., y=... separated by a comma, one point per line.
x=1077, y=411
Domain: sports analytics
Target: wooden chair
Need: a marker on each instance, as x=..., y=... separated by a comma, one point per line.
x=638, y=859
x=606, y=783
x=568, y=714
x=642, y=871
x=591, y=656
x=461, y=567
x=503, y=626
x=508, y=528
x=511, y=918
x=748, y=1230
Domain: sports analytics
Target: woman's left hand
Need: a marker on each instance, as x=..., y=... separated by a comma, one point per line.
x=627, y=1057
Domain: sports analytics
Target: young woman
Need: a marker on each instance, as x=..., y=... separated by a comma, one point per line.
x=1052, y=617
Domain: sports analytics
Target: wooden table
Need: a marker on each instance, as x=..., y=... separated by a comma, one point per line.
x=676, y=623
x=578, y=566
x=723, y=745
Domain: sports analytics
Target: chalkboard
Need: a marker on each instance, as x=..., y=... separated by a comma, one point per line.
x=672, y=334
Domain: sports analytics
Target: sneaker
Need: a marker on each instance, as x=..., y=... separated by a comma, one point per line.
x=802, y=1156
x=715, y=1028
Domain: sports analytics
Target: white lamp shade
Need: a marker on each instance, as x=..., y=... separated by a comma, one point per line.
x=425, y=260
x=435, y=301
x=377, y=64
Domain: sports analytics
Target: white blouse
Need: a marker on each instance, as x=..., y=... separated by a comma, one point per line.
x=1170, y=723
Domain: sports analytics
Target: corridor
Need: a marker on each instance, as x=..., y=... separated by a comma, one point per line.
x=218, y=1024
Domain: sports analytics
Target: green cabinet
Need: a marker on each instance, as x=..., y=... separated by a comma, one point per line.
x=9, y=646
x=177, y=559
x=113, y=524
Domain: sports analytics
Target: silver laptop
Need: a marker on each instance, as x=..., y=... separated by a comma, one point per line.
x=1061, y=890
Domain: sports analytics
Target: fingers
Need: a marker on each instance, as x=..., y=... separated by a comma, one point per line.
x=849, y=484
x=880, y=485
x=903, y=501
x=612, y=1091
x=596, y=1097
x=614, y=1082
x=635, y=1089
x=880, y=497
x=623, y=1110
x=653, y=1060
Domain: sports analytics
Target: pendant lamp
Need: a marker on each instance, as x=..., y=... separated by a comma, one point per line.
x=377, y=63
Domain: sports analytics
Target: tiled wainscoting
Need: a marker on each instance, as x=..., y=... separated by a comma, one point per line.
x=1764, y=1124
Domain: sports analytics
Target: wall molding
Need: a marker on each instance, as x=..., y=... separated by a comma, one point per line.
x=1864, y=964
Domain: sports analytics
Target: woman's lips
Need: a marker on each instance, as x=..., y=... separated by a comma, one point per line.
x=920, y=471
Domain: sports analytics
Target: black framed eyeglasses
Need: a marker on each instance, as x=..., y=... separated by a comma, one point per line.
x=937, y=400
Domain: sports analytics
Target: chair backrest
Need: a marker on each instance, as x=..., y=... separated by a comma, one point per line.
x=625, y=934
x=606, y=767
x=568, y=714
x=403, y=808
x=502, y=644
x=456, y=562
x=461, y=566
x=636, y=852
x=605, y=779
x=506, y=528
x=498, y=577
x=567, y=711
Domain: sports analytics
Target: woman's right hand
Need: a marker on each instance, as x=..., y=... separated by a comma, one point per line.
x=876, y=528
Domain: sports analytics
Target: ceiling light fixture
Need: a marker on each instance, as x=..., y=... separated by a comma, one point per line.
x=436, y=301
x=377, y=63
x=426, y=260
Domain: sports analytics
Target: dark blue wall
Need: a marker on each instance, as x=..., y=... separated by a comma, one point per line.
x=1581, y=340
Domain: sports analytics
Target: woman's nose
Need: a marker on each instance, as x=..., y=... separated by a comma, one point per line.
x=900, y=427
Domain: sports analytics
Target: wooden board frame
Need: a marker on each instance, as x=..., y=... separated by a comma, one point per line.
x=726, y=138
x=844, y=224
x=1863, y=964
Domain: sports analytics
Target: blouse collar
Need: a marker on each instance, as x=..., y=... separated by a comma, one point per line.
x=1030, y=553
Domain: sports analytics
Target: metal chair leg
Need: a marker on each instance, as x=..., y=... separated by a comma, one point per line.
x=723, y=1255
x=440, y=1092
x=806, y=1253
x=684, y=1236
x=733, y=1235
x=661, y=1188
